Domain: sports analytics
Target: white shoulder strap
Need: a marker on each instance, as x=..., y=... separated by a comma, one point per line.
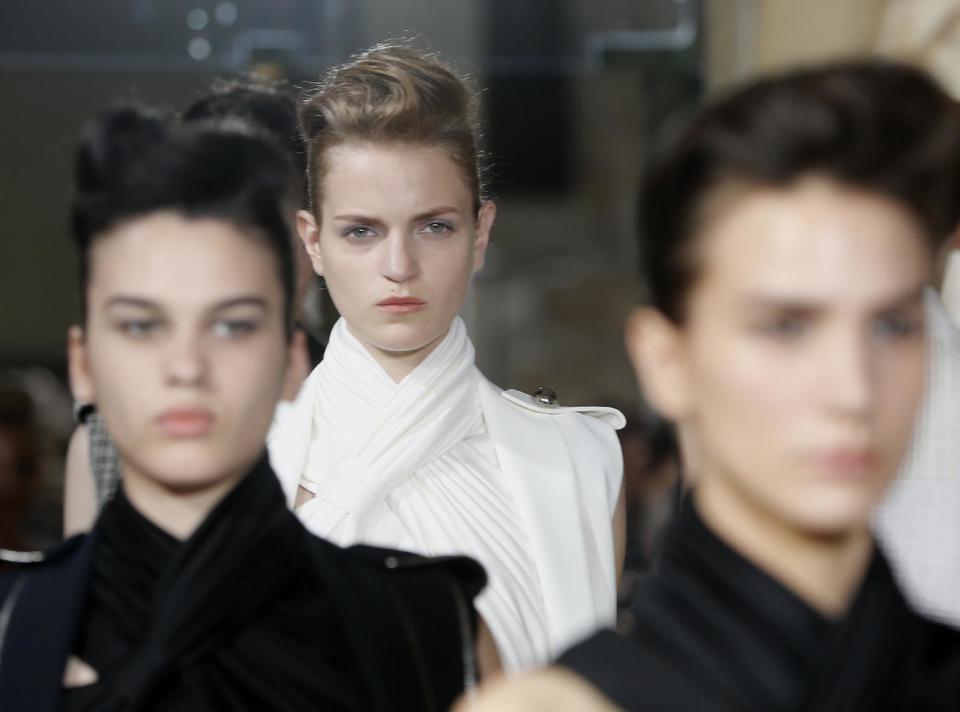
x=611, y=416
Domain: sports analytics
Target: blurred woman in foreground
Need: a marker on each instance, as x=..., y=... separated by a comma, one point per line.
x=197, y=588
x=786, y=240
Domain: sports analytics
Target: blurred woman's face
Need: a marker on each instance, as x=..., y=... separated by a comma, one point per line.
x=801, y=362
x=184, y=350
x=397, y=242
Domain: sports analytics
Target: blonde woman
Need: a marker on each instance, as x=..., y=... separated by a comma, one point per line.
x=397, y=438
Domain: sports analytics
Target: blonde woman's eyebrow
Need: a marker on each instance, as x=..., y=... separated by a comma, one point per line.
x=443, y=210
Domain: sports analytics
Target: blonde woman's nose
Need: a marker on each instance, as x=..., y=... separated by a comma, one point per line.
x=399, y=260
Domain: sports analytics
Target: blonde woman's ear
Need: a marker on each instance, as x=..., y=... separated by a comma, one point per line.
x=310, y=236
x=485, y=219
x=656, y=349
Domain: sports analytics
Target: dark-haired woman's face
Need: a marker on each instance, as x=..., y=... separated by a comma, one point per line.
x=801, y=364
x=184, y=350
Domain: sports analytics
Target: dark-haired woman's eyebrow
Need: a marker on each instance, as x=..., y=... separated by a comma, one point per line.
x=258, y=303
x=795, y=306
x=135, y=302
x=911, y=298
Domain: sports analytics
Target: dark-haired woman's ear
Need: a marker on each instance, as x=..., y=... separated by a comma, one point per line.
x=485, y=220
x=309, y=233
x=655, y=346
x=298, y=365
x=81, y=385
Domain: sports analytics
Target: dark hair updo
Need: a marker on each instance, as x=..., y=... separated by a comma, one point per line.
x=267, y=107
x=879, y=127
x=131, y=163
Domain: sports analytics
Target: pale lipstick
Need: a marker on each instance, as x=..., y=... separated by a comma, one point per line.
x=401, y=305
x=847, y=463
x=186, y=422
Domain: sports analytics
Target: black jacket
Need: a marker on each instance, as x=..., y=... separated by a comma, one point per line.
x=712, y=632
x=408, y=622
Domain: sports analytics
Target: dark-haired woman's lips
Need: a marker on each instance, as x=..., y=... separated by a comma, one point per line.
x=185, y=422
x=401, y=305
x=847, y=463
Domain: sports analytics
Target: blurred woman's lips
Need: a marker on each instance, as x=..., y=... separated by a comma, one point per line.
x=401, y=305
x=185, y=422
x=853, y=462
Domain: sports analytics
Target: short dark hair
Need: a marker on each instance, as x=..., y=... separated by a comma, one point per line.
x=268, y=107
x=879, y=127
x=132, y=162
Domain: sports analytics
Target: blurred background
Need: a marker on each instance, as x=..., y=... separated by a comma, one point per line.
x=574, y=94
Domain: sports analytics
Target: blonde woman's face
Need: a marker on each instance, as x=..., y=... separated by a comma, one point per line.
x=801, y=363
x=398, y=242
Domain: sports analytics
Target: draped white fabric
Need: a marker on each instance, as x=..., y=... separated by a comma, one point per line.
x=410, y=465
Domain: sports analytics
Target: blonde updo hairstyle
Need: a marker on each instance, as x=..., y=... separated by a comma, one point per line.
x=392, y=94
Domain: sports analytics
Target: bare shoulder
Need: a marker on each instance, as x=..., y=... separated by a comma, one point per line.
x=549, y=690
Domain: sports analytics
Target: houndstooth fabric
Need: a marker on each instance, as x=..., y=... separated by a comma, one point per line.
x=104, y=461
x=919, y=523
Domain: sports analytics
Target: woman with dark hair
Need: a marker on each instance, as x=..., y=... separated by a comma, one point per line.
x=93, y=468
x=197, y=588
x=787, y=239
x=397, y=438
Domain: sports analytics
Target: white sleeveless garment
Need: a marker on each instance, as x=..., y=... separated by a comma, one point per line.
x=412, y=465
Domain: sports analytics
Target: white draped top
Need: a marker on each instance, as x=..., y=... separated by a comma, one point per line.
x=414, y=465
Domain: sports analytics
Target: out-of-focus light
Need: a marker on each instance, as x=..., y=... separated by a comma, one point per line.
x=197, y=19
x=199, y=48
x=226, y=13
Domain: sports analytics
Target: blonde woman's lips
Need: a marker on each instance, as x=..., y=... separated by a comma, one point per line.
x=401, y=305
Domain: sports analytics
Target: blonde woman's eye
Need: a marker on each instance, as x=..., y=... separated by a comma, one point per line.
x=358, y=232
x=233, y=328
x=438, y=227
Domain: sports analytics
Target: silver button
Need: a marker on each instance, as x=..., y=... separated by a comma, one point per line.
x=546, y=396
x=391, y=562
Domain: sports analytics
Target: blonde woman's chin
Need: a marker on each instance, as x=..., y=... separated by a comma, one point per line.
x=549, y=690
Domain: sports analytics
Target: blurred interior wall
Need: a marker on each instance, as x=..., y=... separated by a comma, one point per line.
x=746, y=38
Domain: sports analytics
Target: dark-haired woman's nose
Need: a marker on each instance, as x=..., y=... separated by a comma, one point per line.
x=849, y=379
x=186, y=364
x=399, y=258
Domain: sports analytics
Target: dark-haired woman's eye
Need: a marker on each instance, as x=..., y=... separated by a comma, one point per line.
x=437, y=228
x=139, y=328
x=897, y=326
x=233, y=328
x=784, y=328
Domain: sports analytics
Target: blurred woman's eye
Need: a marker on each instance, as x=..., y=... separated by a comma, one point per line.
x=139, y=328
x=896, y=326
x=784, y=328
x=234, y=328
x=438, y=228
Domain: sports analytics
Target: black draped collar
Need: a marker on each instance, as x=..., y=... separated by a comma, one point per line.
x=712, y=631
x=235, y=617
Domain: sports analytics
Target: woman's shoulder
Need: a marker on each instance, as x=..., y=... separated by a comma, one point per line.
x=547, y=402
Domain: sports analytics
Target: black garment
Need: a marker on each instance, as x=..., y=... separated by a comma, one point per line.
x=711, y=631
x=251, y=612
x=233, y=618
